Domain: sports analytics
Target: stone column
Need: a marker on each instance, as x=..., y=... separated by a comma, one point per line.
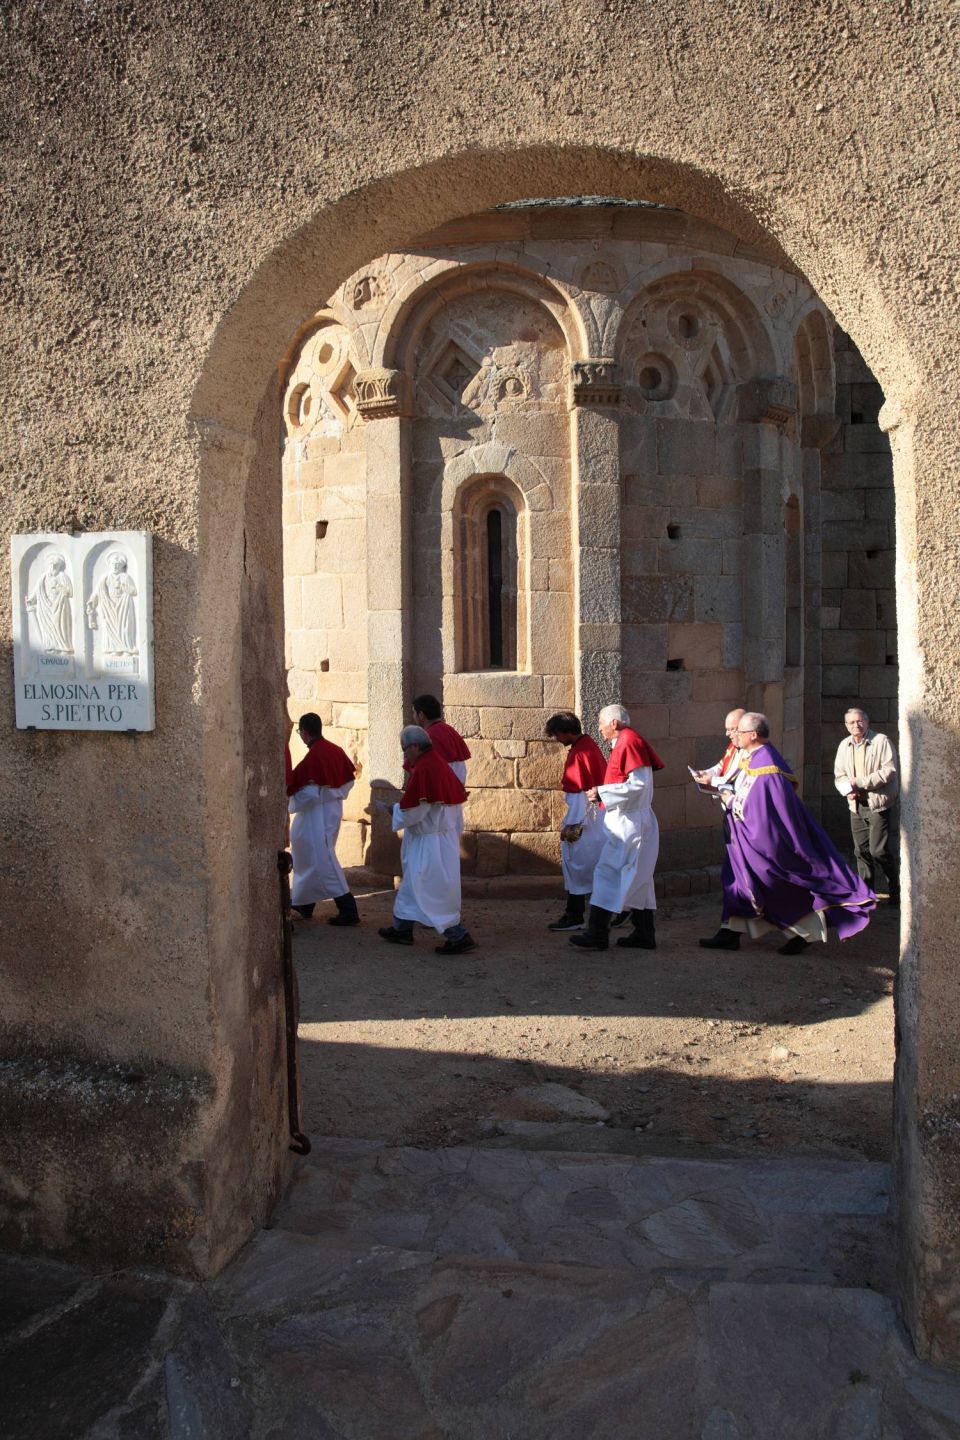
x=595, y=451
x=927, y=1082
x=766, y=405
x=816, y=432
x=382, y=401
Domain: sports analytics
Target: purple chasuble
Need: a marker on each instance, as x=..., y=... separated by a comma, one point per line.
x=780, y=863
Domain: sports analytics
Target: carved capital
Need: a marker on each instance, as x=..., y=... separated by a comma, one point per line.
x=767, y=402
x=595, y=382
x=381, y=394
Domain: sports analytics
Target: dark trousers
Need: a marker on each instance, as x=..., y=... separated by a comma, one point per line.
x=874, y=848
x=576, y=906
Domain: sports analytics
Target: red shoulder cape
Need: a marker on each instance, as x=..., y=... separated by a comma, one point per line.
x=585, y=766
x=448, y=743
x=630, y=752
x=432, y=779
x=323, y=764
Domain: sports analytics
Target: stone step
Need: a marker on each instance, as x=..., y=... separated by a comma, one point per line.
x=763, y=1221
x=386, y=1341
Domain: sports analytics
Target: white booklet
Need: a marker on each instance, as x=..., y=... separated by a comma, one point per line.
x=844, y=786
x=712, y=790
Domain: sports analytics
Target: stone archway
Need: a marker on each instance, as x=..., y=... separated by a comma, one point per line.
x=495, y=179
x=224, y=234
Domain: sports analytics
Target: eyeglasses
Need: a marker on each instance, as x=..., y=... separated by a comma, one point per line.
x=739, y=731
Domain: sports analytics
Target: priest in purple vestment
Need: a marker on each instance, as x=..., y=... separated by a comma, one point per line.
x=782, y=870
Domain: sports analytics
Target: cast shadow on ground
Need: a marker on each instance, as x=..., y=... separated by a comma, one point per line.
x=520, y=968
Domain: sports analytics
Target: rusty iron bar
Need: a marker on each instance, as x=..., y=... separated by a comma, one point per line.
x=299, y=1143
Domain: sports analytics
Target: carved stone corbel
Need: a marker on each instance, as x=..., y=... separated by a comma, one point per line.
x=818, y=431
x=595, y=382
x=767, y=402
x=381, y=394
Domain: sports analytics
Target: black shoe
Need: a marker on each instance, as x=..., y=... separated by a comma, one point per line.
x=643, y=936
x=590, y=940
x=455, y=947
x=723, y=940
x=567, y=922
x=794, y=946
x=305, y=910
x=619, y=919
x=597, y=934
x=343, y=918
x=395, y=936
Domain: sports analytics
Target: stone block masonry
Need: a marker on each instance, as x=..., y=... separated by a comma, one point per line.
x=644, y=547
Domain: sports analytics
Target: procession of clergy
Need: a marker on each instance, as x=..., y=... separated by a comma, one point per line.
x=781, y=872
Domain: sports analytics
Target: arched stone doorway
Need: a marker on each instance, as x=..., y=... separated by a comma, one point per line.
x=584, y=172
x=216, y=1162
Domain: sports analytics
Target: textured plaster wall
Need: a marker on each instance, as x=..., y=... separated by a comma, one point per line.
x=183, y=182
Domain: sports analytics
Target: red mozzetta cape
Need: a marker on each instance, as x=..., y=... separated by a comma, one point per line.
x=432, y=779
x=585, y=766
x=630, y=752
x=448, y=743
x=323, y=764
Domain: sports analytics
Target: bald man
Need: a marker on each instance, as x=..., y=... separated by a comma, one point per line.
x=723, y=772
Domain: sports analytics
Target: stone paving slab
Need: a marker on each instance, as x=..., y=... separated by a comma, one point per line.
x=822, y=1222
x=419, y=1349
x=695, y=1320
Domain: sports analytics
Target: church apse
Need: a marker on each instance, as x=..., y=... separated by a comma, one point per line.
x=565, y=462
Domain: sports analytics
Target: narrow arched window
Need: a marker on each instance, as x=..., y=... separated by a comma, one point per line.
x=495, y=587
x=488, y=575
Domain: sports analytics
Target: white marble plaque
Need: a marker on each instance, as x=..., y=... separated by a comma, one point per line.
x=83, y=630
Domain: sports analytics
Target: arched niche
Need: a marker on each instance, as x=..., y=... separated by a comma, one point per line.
x=401, y=331
x=687, y=340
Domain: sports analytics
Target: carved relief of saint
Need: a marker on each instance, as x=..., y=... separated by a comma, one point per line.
x=51, y=604
x=112, y=605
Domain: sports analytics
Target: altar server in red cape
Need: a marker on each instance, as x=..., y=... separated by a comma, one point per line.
x=447, y=742
x=623, y=878
x=430, y=816
x=317, y=788
x=582, y=834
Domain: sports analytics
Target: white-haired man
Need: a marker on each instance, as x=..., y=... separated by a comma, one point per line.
x=429, y=814
x=865, y=772
x=623, y=877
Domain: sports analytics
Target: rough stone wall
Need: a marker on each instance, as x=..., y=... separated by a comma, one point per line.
x=185, y=181
x=859, y=605
x=487, y=322
x=325, y=560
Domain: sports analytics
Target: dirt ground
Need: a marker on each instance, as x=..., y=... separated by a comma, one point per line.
x=688, y=1050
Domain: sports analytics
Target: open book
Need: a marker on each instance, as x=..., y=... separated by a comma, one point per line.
x=715, y=791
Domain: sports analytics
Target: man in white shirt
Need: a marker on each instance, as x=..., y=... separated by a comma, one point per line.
x=865, y=772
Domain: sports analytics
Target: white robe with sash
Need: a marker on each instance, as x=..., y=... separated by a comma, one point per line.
x=623, y=878
x=315, y=815
x=578, y=858
x=429, y=892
